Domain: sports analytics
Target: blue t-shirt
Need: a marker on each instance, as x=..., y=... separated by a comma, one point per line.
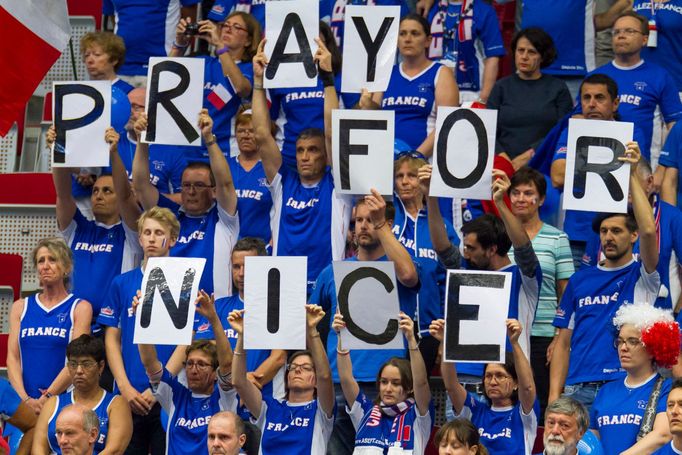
x=668, y=449
x=588, y=305
x=254, y=200
x=618, y=410
x=100, y=253
x=117, y=312
x=338, y=14
x=189, y=413
x=147, y=28
x=481, y=39
x=9, y=399
x=222, y=8
x=641, y=89
x=570, y=24
x=668, y=54
x=414, y=101
x=366, y=362
x=101, y=409
x=671, y=155
x=309, y=221
x=503, y=430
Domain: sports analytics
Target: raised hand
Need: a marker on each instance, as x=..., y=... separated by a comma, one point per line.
x=500, y=185
x=236, y=320
x=424, y=176
x=437, y=329
x=260, y=60
x=323, y=57
x=514, y=330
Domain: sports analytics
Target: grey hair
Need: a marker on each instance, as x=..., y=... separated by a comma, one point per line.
x=90, y=419
x=570, y=407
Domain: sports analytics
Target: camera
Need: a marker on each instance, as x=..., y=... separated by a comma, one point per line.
x=192, y=29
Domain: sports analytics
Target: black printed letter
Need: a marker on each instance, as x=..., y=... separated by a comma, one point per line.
x=179, y=312
x=305, y=56
x=273, y=300
x=346, y=149
x=62, y=125
x=372, y=46
x=482, y=159
x=603, y=170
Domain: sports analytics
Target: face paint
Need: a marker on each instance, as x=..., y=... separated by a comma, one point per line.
x=533, y=200
x=163, y=243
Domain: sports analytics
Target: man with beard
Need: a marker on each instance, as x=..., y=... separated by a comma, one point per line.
x=566, y=421
x=583, y=357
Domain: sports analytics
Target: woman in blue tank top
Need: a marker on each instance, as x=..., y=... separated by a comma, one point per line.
x=85, y=363
x=41, y=326
x=418, y=86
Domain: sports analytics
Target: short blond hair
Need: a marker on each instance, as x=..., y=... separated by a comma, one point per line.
x=164, y=217
x=110, y=43
x=60, y=250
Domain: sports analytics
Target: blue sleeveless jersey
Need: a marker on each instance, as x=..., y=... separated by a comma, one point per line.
x=254, y=200
x=414, y=101
x=101, y=409
x=43, y=336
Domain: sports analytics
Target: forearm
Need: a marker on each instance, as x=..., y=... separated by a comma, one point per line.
x=115, y=360
x=405, y=270
x=649, y=443
x=437, y=231
x=331, y=102
x=517, y=234
x=669, y=186
x=426, y=147
x=645, y=224
x=558, y=173
x=455, y=390
x=226, y=194
x=349, y=386
x=239, y=364
x=26, y=444
x=490, y=69
x=558, y=368
x=222, y=346
x=241, y=85
x=15, y=376
x=524, y=374
x=267, y=370
x=420, y=378
x=60, y=383
x=145, y=191
x=606, y=19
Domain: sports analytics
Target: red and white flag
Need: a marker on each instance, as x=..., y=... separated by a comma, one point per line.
x=35, y=33
x=219, y=96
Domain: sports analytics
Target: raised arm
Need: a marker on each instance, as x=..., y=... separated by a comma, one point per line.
x=267, y=370
x=206, y=307
x=127, y=203
x=249, y=394
x=66, y=205
x=669, y=185
x=331, y=99
x=448, y=371
x=646, y=226
x=447, y=94
x=558, y=366
x=325, y=386
x=225, y=192
x=270, y=154
x=446, y=251
x=146, y=193
x=420, y=378
x=514, y=228
x=527, y=392
x=344, y=365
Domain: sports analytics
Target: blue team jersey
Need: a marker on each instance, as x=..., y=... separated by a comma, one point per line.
x=101, y=409
x=641, y=89
x=671, y=155
x=587, y=307
x=210, y=236
x=570, y=24
x=9, y=399
x=338, y=14
x=147, y=28
x=481, y=33
x=122, y=85
x=189, y=413
x=296, y=109
x=43, y=336
x=618, y=410
x=309, y=221
x=293, y=428
x=414, y=101
x=408, y=432
x=503, y=430
x=668, y=16
x=414, y=236
x=222, y=8
x=668, y=449
x=100, y=253
x=366, y=362
x=204, y=331
x=117, y=312
x=254, y=200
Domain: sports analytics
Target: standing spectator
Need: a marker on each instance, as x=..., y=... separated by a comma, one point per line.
x=41, y=326
x=529, y=103
x=582, y=359
x=144, y=27
x=77, y=429
x=671, y=159
x=674, y=415
x=417, y=87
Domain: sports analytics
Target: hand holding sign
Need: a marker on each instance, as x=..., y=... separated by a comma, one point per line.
x=313, y=315
x=500, y=186
x=514, y=331
x=206, y=125
x=111, y=137
x=377, y=209
x=424, y=176
x=260, y=61
x=236, y=320
x=437, y=329
x=140, y=126
x=406, y=324
x=323, y=57
x=205, y=305
x=632, y=156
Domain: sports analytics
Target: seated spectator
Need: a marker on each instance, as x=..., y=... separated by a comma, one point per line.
x=207, y=389
x=309, y=394
x=103, y=54
x=41, y=326
x=674, y=415
x=228, y=77
x=85, y=362
x=208, y=211
x=529, y=103
x=403, y=398
x=459, y=436
x=648, y=339
x=226, y=434
x=508, y=420
x=18, y=414
x=566, y=422
x=76, y=430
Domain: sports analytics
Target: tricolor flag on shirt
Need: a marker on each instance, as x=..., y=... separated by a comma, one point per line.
x=219, y=96
x=35, y=33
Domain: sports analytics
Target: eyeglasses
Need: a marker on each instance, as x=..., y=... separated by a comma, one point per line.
x=237, y=27
x=137, y=107
x=243, y=131
x=85, y=364
x=197, y=186
x=630, y=342
x=499, y=377
x=198, y=365
x=625, y=31
x=305, y=367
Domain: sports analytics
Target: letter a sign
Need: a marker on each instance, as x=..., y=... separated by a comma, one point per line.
x=165, y=314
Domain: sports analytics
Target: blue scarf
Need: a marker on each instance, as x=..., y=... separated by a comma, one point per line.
x=373, y=428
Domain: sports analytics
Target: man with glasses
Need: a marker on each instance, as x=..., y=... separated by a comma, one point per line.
x=566, y=421
x=209, y=225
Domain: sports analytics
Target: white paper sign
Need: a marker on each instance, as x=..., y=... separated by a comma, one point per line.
x=274, y=302
x=175, y=93
x=291, y=29
x=595, y=180
x=169, y=289
x=367, y=297
x=476, y=308
x=370, y=42
x=82, y=112
x=463, y=153
x=362, y=151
